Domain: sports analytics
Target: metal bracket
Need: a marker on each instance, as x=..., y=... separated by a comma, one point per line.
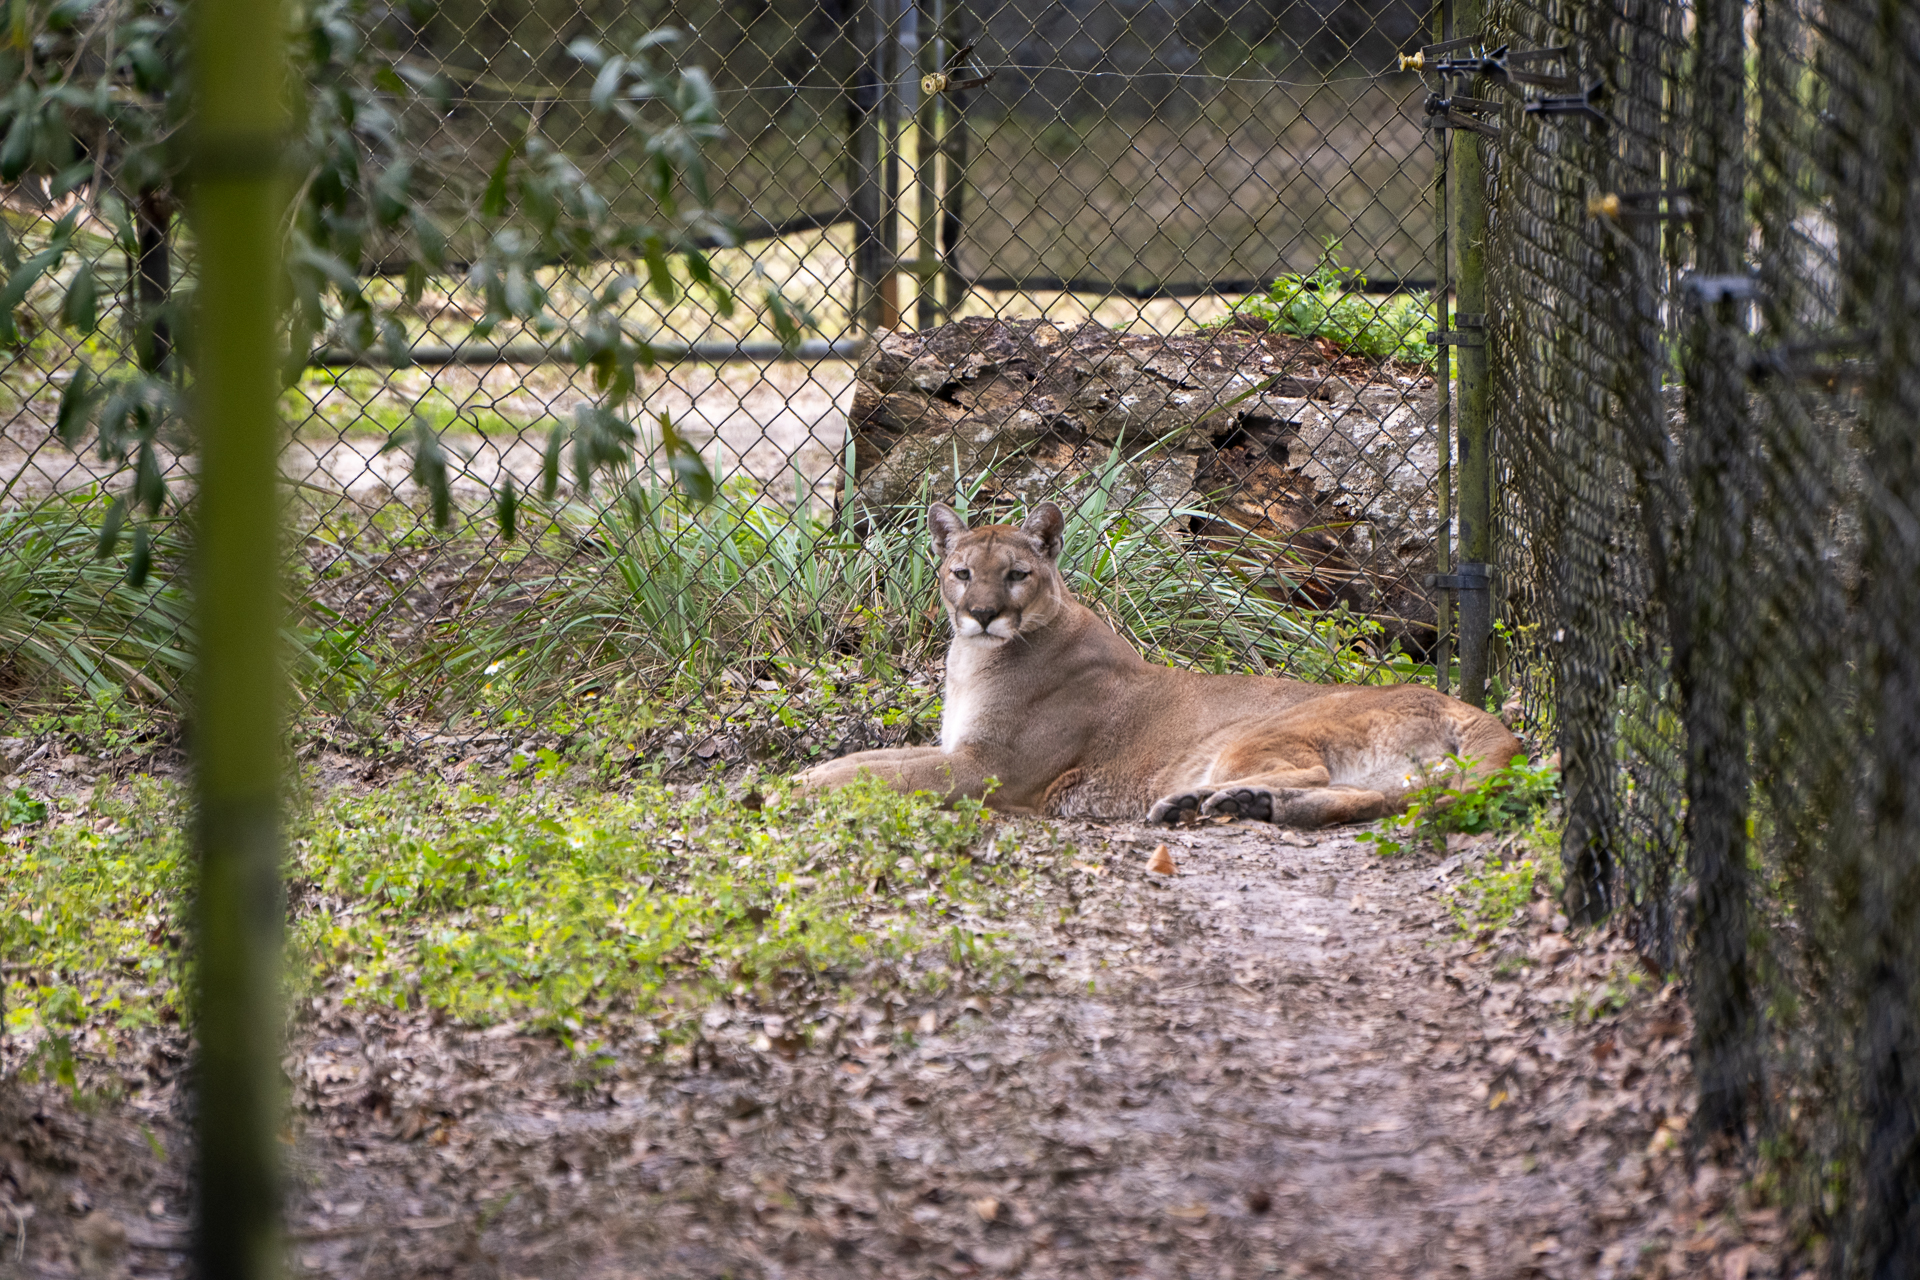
x=1796, y=359
x=1458, y=112
x=1468, y=575
x=1707, y=290
x=1572, y=104
x=945, y=81
x=1628, y=206
x=1471, y=332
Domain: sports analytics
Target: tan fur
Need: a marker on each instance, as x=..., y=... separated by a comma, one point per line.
x=1072, y=721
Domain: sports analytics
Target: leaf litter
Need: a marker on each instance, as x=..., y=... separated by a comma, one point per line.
x=1280, y=1059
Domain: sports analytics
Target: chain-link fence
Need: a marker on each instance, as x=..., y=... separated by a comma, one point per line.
x=1166, y=267
x=841, y=260
x=1703, y=317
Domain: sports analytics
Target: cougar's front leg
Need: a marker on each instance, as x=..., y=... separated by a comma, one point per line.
x=908, y=769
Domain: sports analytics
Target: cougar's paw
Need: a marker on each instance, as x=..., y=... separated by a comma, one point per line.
x=1252, y=803
x=1176, y=809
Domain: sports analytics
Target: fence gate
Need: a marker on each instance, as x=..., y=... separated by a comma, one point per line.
x=1170, y=266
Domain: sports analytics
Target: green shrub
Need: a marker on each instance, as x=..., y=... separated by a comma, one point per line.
x=1512, y=797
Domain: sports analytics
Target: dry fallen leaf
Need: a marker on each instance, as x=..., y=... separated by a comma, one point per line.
x=987, y=1208
x=1162, y=862
x=1189, y=1212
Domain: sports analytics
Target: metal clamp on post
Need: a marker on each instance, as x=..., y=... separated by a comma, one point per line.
x=1462, y=112
x=1472, y=580
x=1471, y=333
x=1802, y=359
x=945, y=81
x=1573, y=104
x=1497, y=65
x=1469, y=575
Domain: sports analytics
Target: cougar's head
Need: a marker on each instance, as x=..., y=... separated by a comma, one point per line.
x=999, y=580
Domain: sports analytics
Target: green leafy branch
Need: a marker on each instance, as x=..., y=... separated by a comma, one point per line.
x=99, y=95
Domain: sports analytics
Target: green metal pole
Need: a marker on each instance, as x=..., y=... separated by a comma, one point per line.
x=1475, y=511
x=236, y=205
x=1442, y=390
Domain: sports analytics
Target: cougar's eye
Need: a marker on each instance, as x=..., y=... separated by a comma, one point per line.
x=965, y=575
x=1018, y=575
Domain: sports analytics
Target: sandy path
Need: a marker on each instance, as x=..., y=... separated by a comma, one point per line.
x=1272, y=1064
x=1279, y=1062
x=766, y=422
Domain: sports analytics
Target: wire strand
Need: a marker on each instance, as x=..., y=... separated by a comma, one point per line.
x=789, y=86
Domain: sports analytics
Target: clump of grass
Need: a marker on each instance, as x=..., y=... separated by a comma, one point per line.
x=524, y=904
x=70, y=617
x=676, y=594
x=1332, y=302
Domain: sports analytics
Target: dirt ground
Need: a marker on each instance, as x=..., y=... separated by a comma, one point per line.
x=1281, y=1060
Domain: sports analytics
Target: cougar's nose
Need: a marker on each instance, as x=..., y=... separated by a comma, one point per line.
x=984, y=616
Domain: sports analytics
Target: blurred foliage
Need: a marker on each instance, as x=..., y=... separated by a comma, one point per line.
x=92, y=130
x=1515, y=796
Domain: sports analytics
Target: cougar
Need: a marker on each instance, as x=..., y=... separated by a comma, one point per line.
x=1049, y=711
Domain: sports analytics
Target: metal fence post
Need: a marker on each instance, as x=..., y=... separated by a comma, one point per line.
x=1475, y=507
x=1442, y=388
x=1711, y=626
x=926, y=56
x=865, y=197
x=953, y=158
x=237, y=203
x=893, y=65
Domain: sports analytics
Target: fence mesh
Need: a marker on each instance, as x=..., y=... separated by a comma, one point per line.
x=1704, y=299
x=849, y=290
x=875, y=253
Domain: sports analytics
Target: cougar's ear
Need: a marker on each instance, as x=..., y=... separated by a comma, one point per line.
x=945, y=526
x=1043, y=525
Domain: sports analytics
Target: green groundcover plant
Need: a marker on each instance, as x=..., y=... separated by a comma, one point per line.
x=490, y=902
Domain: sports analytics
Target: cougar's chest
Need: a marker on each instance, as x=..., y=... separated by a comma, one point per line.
x=958, y=715
x=966, y=706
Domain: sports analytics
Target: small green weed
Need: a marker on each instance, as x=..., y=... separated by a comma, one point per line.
x=1331, y=302
x=1624, y=981
x=20, y=809
x=1495, y=894
x=1515, y=795
x=561, y=910
x=90, y=913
